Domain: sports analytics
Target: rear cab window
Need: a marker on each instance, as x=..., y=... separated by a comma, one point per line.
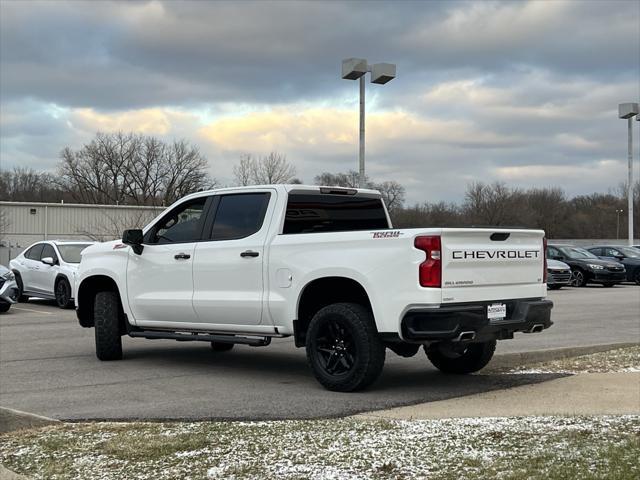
x=311, y=212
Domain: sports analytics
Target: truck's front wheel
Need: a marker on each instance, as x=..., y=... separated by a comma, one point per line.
x=460, y=358
x=343, y=347
x=107, y=329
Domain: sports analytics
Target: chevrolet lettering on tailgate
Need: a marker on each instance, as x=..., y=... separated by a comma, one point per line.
x=490, y=254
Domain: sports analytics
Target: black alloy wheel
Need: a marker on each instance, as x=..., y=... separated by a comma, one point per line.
x=63, y=293
x=21, y=297
x=335, y=348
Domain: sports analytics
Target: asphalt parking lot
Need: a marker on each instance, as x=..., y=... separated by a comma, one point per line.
x=48, y=367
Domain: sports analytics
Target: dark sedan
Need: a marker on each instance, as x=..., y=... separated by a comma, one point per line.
x=628, y=256
x=586, y=267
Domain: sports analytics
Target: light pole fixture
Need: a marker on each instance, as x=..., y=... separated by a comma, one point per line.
x=618, y=212
x=628, y=111
x=381, y=73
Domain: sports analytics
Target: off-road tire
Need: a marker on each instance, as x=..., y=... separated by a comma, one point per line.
x=4, y=307
x=21, y=298
x=106, y=309
x=221, y=346
x=362, y=352
x=471, y=358
x=63, y=298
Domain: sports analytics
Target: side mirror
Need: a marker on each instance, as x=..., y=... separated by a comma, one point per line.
x=48, y=261
x=620, y=257
x=134, y=238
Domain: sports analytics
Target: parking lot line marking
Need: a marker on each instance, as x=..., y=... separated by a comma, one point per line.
x=32, y=310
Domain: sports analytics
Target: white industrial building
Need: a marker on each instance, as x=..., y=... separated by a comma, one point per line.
x=23, y=223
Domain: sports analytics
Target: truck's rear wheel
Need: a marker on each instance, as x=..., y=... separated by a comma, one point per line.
x=460, y=358
x=343, y=347
x=107, y=328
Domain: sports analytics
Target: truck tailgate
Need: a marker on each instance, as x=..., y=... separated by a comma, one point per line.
x=487, y=263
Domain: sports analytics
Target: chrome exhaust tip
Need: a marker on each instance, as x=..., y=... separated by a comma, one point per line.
x=537, y=328
x=465, y=337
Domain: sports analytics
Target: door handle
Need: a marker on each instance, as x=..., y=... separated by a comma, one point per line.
x=182, y=256
x=249, y=253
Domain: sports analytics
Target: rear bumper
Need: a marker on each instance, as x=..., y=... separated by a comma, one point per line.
x=449, y=321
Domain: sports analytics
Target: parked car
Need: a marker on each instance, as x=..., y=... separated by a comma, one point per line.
x=586, y=267
x=320, y=264
x=558, y=274
x=8, y=289
x=628, y=256
x=48, y=270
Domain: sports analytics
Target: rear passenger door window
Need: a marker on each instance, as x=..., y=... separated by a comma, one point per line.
x=239, y=216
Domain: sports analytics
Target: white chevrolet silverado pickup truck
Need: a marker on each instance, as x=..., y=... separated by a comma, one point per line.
x=324, y=265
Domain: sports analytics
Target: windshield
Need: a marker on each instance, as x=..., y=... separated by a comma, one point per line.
x=576, y=252
x=71, y=253
x=630, y=252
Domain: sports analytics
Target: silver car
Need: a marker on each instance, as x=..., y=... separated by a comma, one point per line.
x=8, y=289
x=558, y=274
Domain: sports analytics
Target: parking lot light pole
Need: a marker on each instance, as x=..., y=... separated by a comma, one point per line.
x=618, y=212
x=628, y=111
x=381, y=73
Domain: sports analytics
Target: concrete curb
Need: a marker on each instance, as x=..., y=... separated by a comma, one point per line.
x=11, y=420
x=511, y=360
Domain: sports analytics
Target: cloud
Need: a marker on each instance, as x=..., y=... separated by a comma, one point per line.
x=485, y=90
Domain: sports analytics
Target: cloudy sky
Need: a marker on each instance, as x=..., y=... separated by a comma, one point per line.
x=520, y=91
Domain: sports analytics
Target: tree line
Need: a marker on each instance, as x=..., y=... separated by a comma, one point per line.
x=496, y=204
x=133, y=169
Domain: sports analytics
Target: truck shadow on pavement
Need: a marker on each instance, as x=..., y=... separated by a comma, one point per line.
x=256, y=384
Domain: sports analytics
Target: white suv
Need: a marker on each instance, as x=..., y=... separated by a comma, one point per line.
x=48, y=270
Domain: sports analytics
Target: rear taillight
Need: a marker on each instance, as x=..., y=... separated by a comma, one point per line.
x=544, y=253
x=430, y=271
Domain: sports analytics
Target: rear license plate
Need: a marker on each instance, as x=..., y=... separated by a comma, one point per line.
x=497, y=310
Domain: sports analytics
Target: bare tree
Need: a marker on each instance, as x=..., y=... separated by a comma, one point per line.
x=268, y=170
x=27, y=185
x=244, y=171
x=133, y=169
x=349, y=179
x=392, y=192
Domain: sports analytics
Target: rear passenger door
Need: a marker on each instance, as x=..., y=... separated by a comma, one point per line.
x=228, y=268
